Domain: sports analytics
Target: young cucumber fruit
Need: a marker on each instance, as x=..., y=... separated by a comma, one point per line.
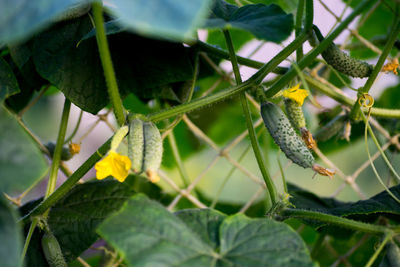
x=52, y=251
x=342, y=62
x=295, y=114
x=285, y=136
x=145, y=148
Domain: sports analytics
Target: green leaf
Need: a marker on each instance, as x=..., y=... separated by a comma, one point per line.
x=145, y=233
x=175, y=19
x=10, y=236
x=239, y=38
x=74, y=219
x=8, y=83
x=205, y=223
x=20, y=19
x=21, y=162
x=269, y=23
x=78, y=73
x=288, y=6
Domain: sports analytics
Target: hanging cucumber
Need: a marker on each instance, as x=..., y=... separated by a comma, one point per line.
x=286, y=138
x=145, y=148
x=52, y=251
x=341, y=61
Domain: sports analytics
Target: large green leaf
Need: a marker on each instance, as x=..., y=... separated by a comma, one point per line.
x=143, y=66
x=21, y=162
x=146, y=234
x=75, y=218
x=10, y=236
x=8, y=82
x=175, y=19
x=20, y=19
x=269, y=23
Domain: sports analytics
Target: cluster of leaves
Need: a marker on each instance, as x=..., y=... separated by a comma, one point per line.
x=43, y=48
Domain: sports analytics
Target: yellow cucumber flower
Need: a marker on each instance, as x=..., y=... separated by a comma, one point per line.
x=115, y=165
x=296, y=94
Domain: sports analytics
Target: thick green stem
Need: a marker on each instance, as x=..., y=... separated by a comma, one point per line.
x=252, y=134
x=232, y=91
x=28, y=238
x=57, y=151
x=309, y=58
x=299, y=21
x=355, y=112
x=339, y=221
x=106, y=61
x=68, y=184
x=341, y=98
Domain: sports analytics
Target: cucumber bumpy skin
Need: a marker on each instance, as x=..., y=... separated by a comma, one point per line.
x=342, y=62
x=295, y=114
x=52, y=251
x=145, y=148
x=393, y=254
x=284, y=135
x=136, y=144
x=153, y=150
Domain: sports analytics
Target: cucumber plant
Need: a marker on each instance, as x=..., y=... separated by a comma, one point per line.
x=153, y=73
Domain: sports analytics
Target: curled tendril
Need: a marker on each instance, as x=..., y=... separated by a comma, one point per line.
x=366, y=100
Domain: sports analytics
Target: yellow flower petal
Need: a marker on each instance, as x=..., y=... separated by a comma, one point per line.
x=296, y=94
x=115, y=165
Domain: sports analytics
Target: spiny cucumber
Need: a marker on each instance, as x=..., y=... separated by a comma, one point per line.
x=145, y=148
x=153, y=150
x=284, y=135
x=295, y=114
x=342, y=62
x=52, y=251
x=136, y=144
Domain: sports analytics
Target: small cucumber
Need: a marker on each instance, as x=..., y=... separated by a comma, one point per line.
x=65, y=152
x=52, y=251
x=136, y=144
x=145, y=148
x=342, y=62
x=285, y=136
x=153, y=150
x=295, y=114
x=118, y=137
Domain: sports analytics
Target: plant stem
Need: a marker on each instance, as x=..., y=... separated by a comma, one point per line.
x=252, y=134
x=57, y=150
x=229, y=92
x=28, y=238
x=339, y=221
x=299, y=21
x=242, y=60
x=355, y=111
x=106, y=61
x=376, y=253
x=75, y=129
x=341, y=98
x=309, y=58
x=68, y=184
